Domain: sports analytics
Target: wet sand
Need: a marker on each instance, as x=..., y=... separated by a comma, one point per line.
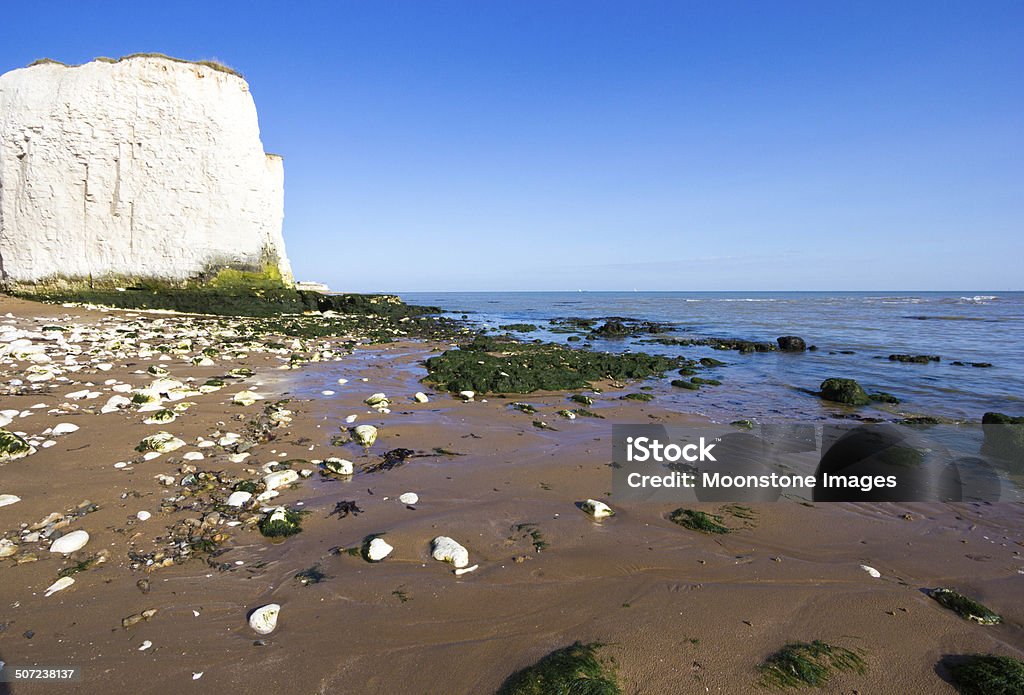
x=680, y=612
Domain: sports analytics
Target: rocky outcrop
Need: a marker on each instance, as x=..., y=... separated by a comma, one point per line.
x=143, y=169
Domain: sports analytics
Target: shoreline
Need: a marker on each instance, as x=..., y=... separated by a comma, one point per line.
x=678, y=610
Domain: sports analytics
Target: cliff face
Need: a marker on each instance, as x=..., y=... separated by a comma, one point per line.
x=142, y=169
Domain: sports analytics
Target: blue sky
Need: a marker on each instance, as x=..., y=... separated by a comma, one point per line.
x=602, y=146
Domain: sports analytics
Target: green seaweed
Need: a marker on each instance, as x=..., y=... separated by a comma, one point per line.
x=572, y=670
x=808, y=664
x=988, y=674
x=488, y=365
x=12, y=446
x=845, y=391
x=698, y=521
x=279, y=528
x=965, y=607
x=642, y=397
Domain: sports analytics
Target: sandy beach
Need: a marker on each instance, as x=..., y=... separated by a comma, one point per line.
x=678, y=611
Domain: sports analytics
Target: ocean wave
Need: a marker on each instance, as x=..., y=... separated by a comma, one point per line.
x=978, y=299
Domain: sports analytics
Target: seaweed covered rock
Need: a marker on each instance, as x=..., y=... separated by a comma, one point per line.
x=845, y=391
x=914, y=359
x=575, y=669
x=1004, y=437
x=698, y=521
x=988, y=674
x=13, y=447
x=791, y=343
x=488, y=365
x=965, y=607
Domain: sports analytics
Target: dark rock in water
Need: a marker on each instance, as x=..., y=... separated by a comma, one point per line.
x=883, y=397
x=679, y=383
x=1004, y=437
x=845, y=391
x=743, y=424
x=705, y=382
x=711, y=362
x=791, y=343
x=573, y=339
x=979, y=365
x=914, y=359
x=518, y=327
x=612, y=329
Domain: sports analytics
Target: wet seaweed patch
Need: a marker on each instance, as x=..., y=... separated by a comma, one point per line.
x=965, y=607
x=747, y=515
x=808, y=664
x=572, y=670
x=489, y=365
x=988, y=674
x=344, y=508
x=642, y=397
x=523, y=408
x=531, y=531
x=311, y=575
x=738, y=344
x=583, y=412
x=699, y=521
x=518, y=327
x=391, y=459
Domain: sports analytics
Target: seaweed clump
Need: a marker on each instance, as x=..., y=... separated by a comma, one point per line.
x=965, y=607
x=808, y=664
x=987, y=674
x=698, y=521
x=12, y=446
x=572, y=670
x=488, y=365
x=281, y=523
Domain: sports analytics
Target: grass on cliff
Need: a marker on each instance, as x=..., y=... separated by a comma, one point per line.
x=492, y=365
x=213, y=64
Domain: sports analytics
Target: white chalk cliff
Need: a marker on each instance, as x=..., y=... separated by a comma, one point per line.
x=146, y=168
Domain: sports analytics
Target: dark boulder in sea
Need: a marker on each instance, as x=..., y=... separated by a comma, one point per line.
x=612, y=328
x=1004, y=437
x=914, y=359
x=791, y=343
x=883, y=397
x=845, y=391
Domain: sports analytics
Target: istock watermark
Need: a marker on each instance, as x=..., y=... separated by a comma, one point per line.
x=853, y=462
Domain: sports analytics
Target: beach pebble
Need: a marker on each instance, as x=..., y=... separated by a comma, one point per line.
x=872, y=571
x=376, y=399
x=280, y=479
x=8, y=499
x=238, y=498
x=409, y=498
x=327, y=393
x=466, y=570
x=263, y=620
x=378, y=550
x=193, y=456
x=246, y=398
x=445, y=549
x=70, y=542
x=351, y=418
x=63, y=428
x=467, y=395
x=420, y=397
x=145, y=645
x=143, y=515
x=59, y=585
x=365, y=434
x=342, y=382
x=7, y=548
x=597, y=509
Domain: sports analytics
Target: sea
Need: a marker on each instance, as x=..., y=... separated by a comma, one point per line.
x=854, y=332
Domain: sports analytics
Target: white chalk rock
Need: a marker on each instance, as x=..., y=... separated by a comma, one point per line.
x=445, y=549
x=238, y=498
x=409, y=498
x=597, y=509
x=143, y=515
x=161, y=442
x=70, y=542
x=365, y=434
x=376, y=399
x=872, y=571
x=246, y=398
x=420, y=397
x=63, y=428
x=59, y=585
x=263, y=620
x=378, y=550
x=115, y=403
x=339, y=466
x=9, y=499
x=466, y=570
x=280, y=479
x=169, y=209
x=193, y=456
x=7, y=548
x=467, y=395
